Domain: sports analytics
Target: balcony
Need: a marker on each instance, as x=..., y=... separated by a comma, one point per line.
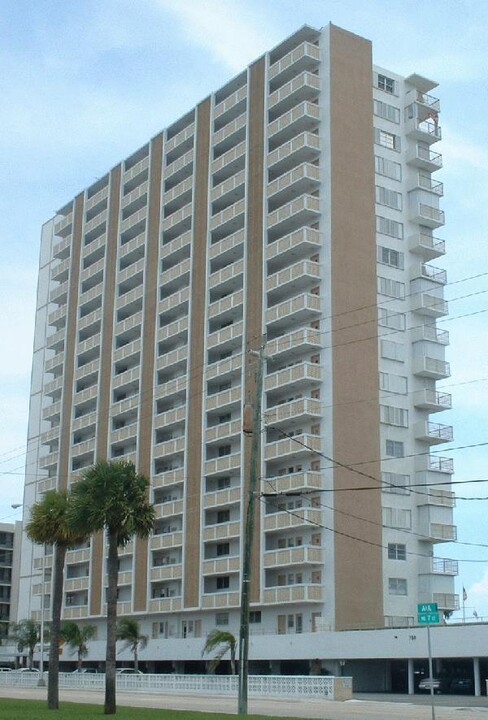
x=63, y=226
x=303, y=87
x=60, y=272
x=228, y=305
x=293, y=594
x=228, y=277
x=298, y=446
x=223, y=464
x=171, y=417
x=429, y=272
x=169, y=509
x=174, y=330
x=446, y=601
x=169, y=572
x=165, y=605
x=136, y=169
x=303, y=148
x=299, y=517
x=221, y=566
x=176, y=277
x=303, y=555
x=444, y=566
x=302, y=243
x=432, y=400
x=303, y=179
x=295, y=278
x=427, y=215
x=304, y=210
x=223, y=431
x=424, y=158
x=180, y=143
x=223, y=600
x=168, y=478
x=229, y=163
x=304, y=372
x=231, y=107
x=293, y=482
x=226, y=368
x=426, y=245
x=430, y=333
x=436, y=497
x=178, y=170
x=426, y=303
x=228, y=221
x=431, y=368
x=230, y=335
x=166, y=540
x=427, y=182
x=61, y=249
x=231, y=134
x=293, y=311
x=434, y=463
x=302, y=118
x=438, y=532
x=222, y=531
x=224, y=399
x=433, y=433
x=59, y=294
x=426, y=131
x=304, y=57
x=178, y=223
x=230, y=496
x=302, y=340
x=302, y=409
x=172, y=387
x=228, y=192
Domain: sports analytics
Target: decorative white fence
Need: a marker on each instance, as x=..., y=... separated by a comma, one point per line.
x=332, y=688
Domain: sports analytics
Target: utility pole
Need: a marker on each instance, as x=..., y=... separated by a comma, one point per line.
x=252, y=427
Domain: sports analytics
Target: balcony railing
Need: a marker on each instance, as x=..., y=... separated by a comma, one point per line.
x=443, y=566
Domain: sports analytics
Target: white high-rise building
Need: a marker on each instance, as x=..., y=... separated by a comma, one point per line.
x=296, y=206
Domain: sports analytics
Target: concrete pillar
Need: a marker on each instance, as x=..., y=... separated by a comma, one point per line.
x=477, y=679
x=275, y=667
x=411, y=677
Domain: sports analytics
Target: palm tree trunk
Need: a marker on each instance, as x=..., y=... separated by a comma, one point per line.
x=112, y=573
x=136, y=659
x=57, y=601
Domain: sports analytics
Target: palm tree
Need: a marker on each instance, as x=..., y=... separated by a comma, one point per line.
x=48, y=524
x=26, y=634
x=77, y=637
x=112, y=496
x=222, y=641
x=129, y=630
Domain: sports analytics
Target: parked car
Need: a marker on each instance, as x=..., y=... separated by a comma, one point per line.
x=91, y=670
x=26, y=670
x=460, y=685
x=5, y=669
x=427, y=683
x=129, y=671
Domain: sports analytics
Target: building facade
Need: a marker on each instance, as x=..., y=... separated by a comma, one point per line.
x=293, y=210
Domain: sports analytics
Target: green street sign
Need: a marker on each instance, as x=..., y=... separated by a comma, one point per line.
x=429, y=618
x=427, y=608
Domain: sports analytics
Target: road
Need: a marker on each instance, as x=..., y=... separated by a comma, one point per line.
x=362, y=707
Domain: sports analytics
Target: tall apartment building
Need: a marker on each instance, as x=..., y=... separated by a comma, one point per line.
x=10, y=539
x=296, y=207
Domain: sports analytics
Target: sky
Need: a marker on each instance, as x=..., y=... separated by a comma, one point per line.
x=84, y=84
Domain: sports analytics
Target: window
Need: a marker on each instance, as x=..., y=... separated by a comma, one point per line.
x=223, y=582
x=386, y=83
x=397, y=518
x=223, y=549
x=392, y=228
x=395, y=449
x=387, y=139
x=387, y=197
x=223, y=516
x=222, y=619
x=397, y=586
x=387, y=168
x=396, y=384
x=255, y=617
x=386, y=111
x=388, y=256
x=224, y=418
x=392, y=351
x=395, y=483
x=224, y=450
x=397, y=551
x=393, y=416
x=391, y=288
x=391, y=319
x=223, y=483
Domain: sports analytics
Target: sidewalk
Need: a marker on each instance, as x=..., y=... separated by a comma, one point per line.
x=312, y=709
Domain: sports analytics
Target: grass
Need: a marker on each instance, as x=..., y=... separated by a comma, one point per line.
x=12, y=709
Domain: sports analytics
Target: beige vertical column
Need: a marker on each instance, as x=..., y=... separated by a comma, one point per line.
x=254, y=282
x=104, y=381
x=355, y=393
x=70, y=346
x=146, y=406
x=196, y=359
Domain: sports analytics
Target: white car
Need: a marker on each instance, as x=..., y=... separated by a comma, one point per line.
x=129, y=671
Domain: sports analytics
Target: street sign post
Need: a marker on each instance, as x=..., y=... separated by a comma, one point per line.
x=427, y=614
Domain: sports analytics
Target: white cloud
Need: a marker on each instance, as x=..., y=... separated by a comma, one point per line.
x=222, y=29
x=459, y=150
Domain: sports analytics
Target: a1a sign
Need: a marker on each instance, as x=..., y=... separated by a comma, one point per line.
x=427, y=614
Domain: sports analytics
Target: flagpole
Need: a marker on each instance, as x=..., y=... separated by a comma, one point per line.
x=465, y=595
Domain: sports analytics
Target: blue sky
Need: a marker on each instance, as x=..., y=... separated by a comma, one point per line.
x=84, y=84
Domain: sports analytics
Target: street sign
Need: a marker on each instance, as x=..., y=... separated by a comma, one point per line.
x=427, y=608
x=429, y=618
